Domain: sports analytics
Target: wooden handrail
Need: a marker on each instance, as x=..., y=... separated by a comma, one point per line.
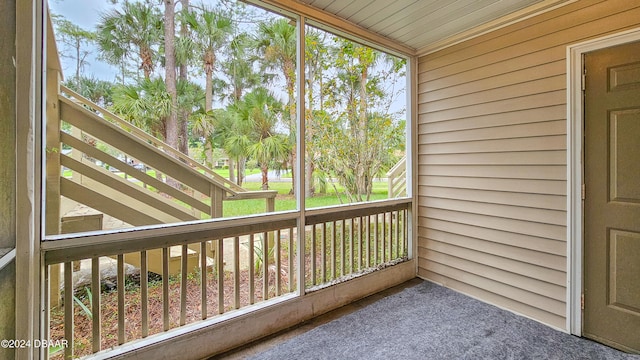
x=7, y=255
x=69, y=247
x=127, y=126
x=125, y=187
x=95, y=125
x=317, y=216
x=396, y=178
x=133, y=172
x=399, y=167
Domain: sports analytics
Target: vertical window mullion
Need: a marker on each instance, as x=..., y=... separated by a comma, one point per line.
x=300, y=143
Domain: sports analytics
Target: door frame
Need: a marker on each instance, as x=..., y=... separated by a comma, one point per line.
x=575, y=169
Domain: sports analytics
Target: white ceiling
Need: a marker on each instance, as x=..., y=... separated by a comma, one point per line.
x=426, y=25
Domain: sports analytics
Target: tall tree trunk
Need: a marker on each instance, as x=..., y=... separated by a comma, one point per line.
x=184, y=76
x=289, y=72
x=361, y=171
x=183, y=131
x=208, y=88
x=264, y=169
x=242, y=162
x=78, y=65
x=309, y=188
x=170, y=76
x=146, y=57
x=232, y=171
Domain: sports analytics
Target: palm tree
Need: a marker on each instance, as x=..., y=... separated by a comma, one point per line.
x=210, y=30
x=171, y=125
x=276, y=42
x=232, y=135
x=184, y=46
x=144, y=104
x=260, y=110
x=316, y=58
x=239, y=68
x=98, y=91
x=136, y=29
x=236, y=146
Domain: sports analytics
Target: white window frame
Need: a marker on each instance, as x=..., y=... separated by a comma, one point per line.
x=31, y=308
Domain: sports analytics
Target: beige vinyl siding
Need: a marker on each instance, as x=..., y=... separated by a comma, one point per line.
x=492, y=148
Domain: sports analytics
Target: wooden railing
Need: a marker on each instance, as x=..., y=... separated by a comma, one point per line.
x=254, y=262
x=199, y=192
x=243, y=272
x=163, y=186
x=354, y=241
x=141, y=134
x=397, y=178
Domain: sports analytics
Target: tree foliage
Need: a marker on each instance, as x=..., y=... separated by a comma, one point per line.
x=76, y=42
x=222, y=75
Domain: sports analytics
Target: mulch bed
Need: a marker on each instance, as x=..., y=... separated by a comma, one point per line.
x=133, y=317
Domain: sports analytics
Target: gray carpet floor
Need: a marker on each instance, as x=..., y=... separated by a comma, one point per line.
x=428, y=321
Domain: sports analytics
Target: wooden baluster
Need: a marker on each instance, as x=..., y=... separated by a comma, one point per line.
x=334, y=257
x=120, y=284
x=397, y=223
x=360, y=237
x=220, y=269
x=368, y=236
x=252, y=270
x=376, y=239
x=95, y=309
x=144, y=293
x=323, y=250
x=183, y=285
x=265, y=266
x=68, y=309
x=351, y=244
x=343, y=253
x=203, y=280
x=236, y=272
x=313, y=255
x=291, y=262
x=165, y=289
x=276, y=252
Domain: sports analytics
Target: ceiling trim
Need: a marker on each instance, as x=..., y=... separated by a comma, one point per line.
x=521, y=15
x=338, y=24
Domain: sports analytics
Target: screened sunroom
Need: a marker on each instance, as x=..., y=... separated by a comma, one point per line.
x=233, y=169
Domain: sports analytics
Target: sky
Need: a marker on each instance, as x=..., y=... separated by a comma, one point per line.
x=86, y=14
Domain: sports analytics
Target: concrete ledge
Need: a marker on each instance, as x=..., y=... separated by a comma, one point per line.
x=234, y=329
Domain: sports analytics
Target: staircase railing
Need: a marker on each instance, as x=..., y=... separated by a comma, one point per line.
x=102, y=141
x=397, y=179
x=127, y=126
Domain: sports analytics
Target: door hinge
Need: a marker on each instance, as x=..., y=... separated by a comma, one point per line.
x=582, y=302
x=584, y=191
x=584, y=81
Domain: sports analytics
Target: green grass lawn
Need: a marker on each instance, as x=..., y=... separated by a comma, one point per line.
x=287, y=202
x=284, y=201
x=225, y=172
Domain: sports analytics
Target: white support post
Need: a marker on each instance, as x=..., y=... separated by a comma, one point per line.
x=29, y=110
x=300, y=143
x=52, y=153
x=412, y=159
